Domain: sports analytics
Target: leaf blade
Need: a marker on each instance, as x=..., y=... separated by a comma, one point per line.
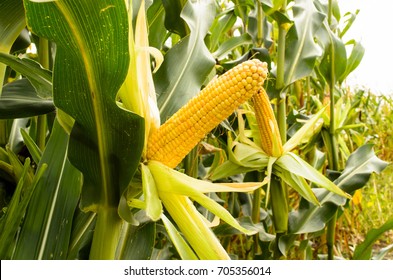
x=187, y=64
x=52, y=205
x=106, y=141
x=301, y=51
x=364, y=250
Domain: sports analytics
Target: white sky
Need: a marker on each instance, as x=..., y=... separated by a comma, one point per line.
x=373, y=27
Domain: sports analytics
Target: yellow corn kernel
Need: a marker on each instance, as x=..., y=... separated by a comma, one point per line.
x=201, y=114
x=267, y=124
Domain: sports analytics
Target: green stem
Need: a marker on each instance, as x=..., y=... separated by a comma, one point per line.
x=43, y=56
x=106, y=234
x=334, y=160
x=256, y=202
x=7, y=170
x=280, y=82
x=4, y=132
x=282, y=32
x=257, y=195
x=297, y=86
x=191, y=163
x=279, y=202
x=242, y=15
x=281, y=117
x=330, y=236
x=257, y=199
x=255, y=216
x=41, y=131
x=308, y=97
x=277, y=252
x=330, y=12
x=44, y=53
x=278, y=190
x=332, y=126
x=3, y=68
x=260, y=16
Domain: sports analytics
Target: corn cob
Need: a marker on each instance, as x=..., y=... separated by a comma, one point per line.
x=268, y=129
x=172, y=141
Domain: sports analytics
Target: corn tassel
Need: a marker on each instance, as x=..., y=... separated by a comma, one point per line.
x=267, y=124
x=179, y=134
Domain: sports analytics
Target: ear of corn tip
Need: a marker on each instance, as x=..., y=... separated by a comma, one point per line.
x=267, y=124
x=173, y=140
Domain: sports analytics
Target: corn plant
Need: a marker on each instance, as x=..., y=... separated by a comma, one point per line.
x=160, y=130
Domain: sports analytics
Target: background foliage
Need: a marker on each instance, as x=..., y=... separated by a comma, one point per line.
x=72, y=133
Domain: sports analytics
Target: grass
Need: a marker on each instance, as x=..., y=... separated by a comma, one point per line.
x=372, y=205
x=377, y=200
x=370, y=209
x=376, y=205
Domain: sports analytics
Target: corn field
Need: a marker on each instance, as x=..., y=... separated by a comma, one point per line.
x=186, y=129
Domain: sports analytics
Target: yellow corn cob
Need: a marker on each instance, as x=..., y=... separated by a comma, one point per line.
x=172, y=141
x=267, y=124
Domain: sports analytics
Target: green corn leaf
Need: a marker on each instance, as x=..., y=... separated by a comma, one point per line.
x=47, y=226
x=174, y=182
x=42, y=1
x=354, y=59
x=184, y=250
x=173, y=20
x=350, y=19
x=193, y=225
x=285, y=242
x=81, y=234
x=249, y=156
x=273, y=10
x=245, y=221
x=40, y=78
x=310, y=217
x=245, y=153
x=226, y=169
x=301, y=51
x=34, y=150
x=20, y=100
x=156, y=18
x=17, y=166
x=221, y=25
x=298, y=183
x=12, y=22
x=91, y=64
x=229, y=45
x=4, y=155
x=341, y=112
x=137, y=242
x=242, y=9
x=294, y=164
x=343, y=146
x=10, y=222
x=242, y=158
x=334, y=48
x=187, y=64
x=153, y=204
x=307, y=131
x=359, y=167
